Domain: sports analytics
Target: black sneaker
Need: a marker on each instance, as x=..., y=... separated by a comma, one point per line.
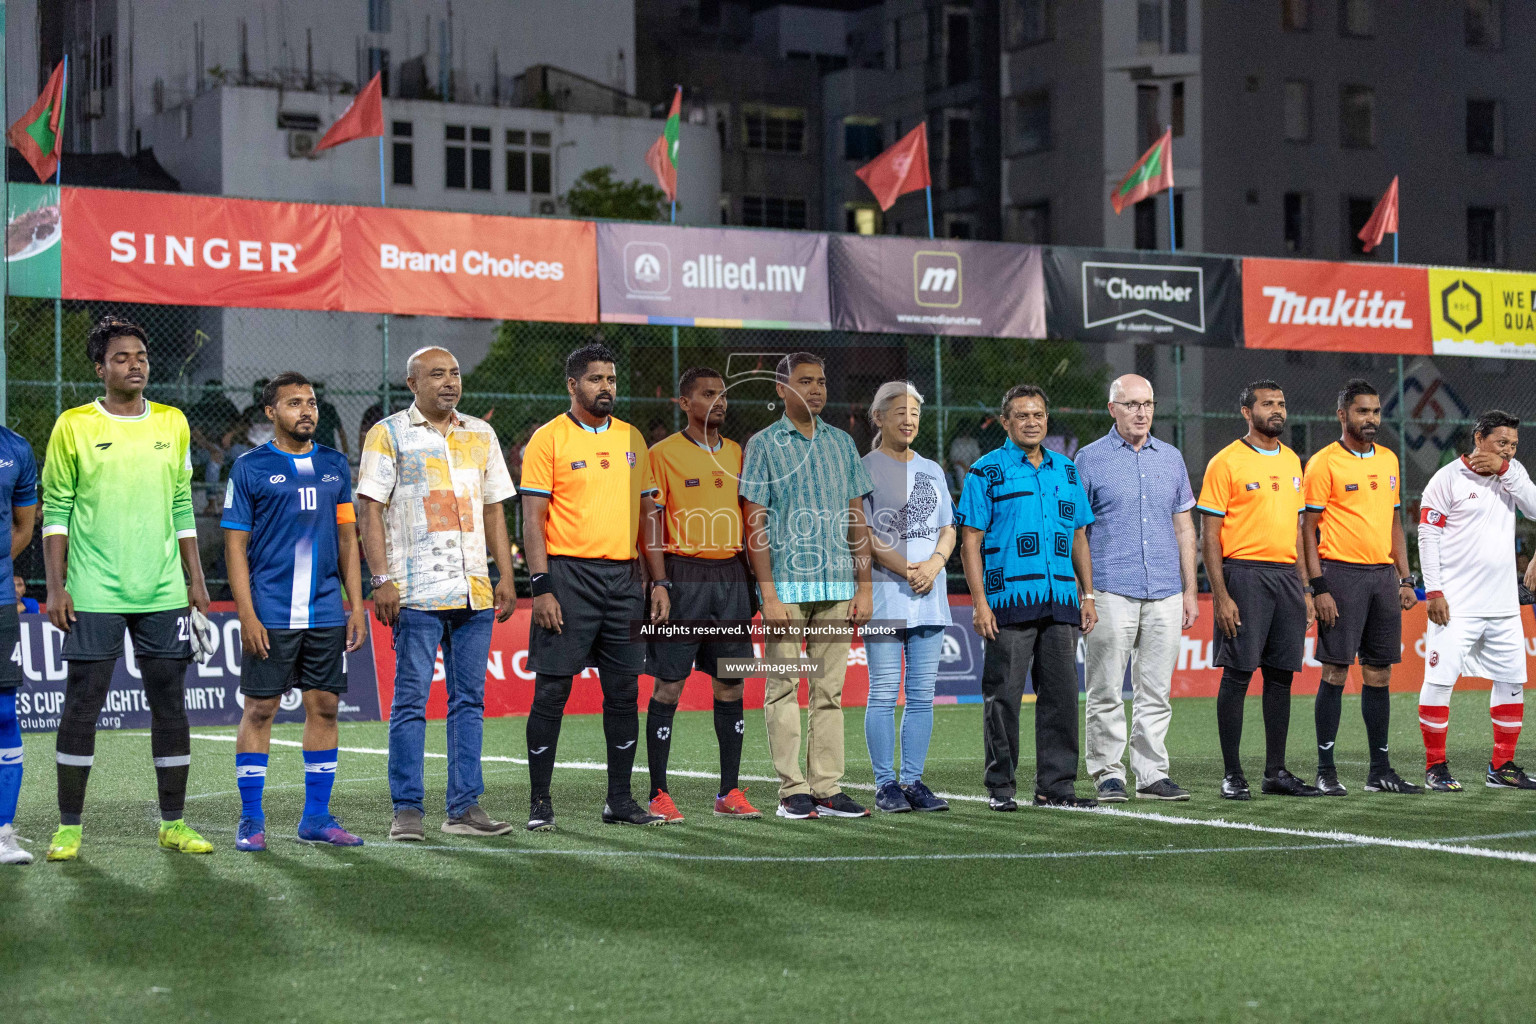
x=1163, y=789
x=623, y=810
x=1438, y=779
x=1386, y=780
x=1112, y=791
x=924, y=799
x=1002, y=803
x=1328, y=782
x=541, y=815
x=1509, y=776
x=1235, y=787
x=798, y=807
x=890, y=799
x=838, y=805
x=1283, y=783
x=1069, y=800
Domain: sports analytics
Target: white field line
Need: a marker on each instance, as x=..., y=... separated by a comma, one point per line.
x=1327, y=835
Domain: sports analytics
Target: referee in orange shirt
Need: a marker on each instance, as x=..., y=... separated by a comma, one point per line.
x=1357, y=558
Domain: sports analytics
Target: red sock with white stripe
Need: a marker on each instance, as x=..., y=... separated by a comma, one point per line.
x=1506, y=706
x=1434, y=720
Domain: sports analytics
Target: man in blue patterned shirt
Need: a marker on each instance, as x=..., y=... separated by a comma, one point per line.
x=1022, y=520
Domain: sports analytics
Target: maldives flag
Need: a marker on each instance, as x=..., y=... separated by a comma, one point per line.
x=36, y=134
x=1149, y=176
x=662, y=156
x=1383, y=220
x=901, y=169
x=363, y=119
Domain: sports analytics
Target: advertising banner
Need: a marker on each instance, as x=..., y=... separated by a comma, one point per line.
x=711, y=277
x=1335, y=307
x=213, y=690
x=927, y=286
x=461, y=264
x=1483, y=313
x=1105, y=295
x=32, y=232
x=172, y=249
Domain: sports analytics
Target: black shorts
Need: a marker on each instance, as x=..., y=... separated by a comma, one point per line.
x=704, y=590
x=1272, y=608
x=599, y=599
x=1370, y=621
x=98, y=636
x=309, y=659
x=10, y=648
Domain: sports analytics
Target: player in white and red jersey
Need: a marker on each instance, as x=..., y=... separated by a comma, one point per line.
x=1467, y=551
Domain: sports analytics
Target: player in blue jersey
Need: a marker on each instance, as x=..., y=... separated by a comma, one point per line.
x=18, y=504
x=290, y=541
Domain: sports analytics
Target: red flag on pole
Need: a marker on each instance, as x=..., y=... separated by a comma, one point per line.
x=1383, y=220
x=1148, y=176
x=36, y=133
x=662, y=156
x=901, y=169
x=363, y=119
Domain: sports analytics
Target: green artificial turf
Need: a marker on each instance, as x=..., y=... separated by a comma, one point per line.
x=970, y=915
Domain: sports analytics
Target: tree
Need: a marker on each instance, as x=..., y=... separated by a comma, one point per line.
x=597, y=194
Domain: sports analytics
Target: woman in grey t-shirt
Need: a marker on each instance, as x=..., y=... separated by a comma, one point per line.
x=912, y=520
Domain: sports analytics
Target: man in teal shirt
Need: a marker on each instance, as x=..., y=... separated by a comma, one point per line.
x=803, y=485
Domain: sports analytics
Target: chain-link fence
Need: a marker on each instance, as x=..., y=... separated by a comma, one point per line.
x=210, y=362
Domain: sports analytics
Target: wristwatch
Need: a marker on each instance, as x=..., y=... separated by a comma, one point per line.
x=1408, y=581
x=379, y=581
x=664, y=584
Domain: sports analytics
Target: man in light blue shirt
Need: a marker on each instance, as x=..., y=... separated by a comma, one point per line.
x=1143, y=546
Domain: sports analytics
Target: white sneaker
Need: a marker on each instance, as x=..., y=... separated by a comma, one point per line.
x=10, y=850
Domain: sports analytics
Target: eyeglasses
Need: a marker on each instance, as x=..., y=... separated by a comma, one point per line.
x=1135, y=407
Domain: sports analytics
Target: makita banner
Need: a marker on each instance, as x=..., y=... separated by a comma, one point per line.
x=212, y=690
x=1105, y=295
x=926, y=286
x=1335, y=307
x=711, y=277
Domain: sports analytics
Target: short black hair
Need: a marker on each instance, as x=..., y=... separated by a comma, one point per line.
x=107, y=328
x=1353, y=389
x=693, y=375
x=1249, y=394
x=1024, y=391
x=1492, y=420
x=789, y=362
x=286, y=379
x=577, y=362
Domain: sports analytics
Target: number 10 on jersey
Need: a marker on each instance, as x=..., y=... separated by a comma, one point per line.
x=308, y=502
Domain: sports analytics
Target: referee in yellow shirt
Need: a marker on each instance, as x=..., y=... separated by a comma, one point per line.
x=1357, y=557
x=1251, y=503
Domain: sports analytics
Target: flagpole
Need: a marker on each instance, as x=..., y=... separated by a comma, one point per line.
x=58, y=301
x=384, y=409
x=928, y=191
x=5, y=169
x=677, y=411
x=938, y=351
x=1173, y=242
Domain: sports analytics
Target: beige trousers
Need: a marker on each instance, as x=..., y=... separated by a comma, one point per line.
x=824, y=726
x=1147, y=634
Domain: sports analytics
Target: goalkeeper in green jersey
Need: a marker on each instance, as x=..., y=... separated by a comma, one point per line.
x=118, y=534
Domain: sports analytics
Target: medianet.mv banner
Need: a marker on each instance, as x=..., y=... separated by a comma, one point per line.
x=709, y=277
x=935, y=286
x=1105, y=295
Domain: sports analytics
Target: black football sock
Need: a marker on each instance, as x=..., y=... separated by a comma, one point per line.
x=729, y=727
x=1330, y=700
x=170, y=738
x=1376, y=709
x=621, y=730
x=549, y=697
x=658, y=742
x=1229, y=717
x=85, y=693
x=1277, y=718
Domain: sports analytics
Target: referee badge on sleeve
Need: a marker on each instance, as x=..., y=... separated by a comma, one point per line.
x=1296, y=483
x=630, y=458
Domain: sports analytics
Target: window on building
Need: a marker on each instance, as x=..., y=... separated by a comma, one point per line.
x=1485, y=231
x=957, y=153
x=958, y=226
x=957, y=49
x=528, y=161
x=861, y=219
x=1356, y=19
x=1298, y=111
x=1485, y=127
x=104, y=72
x=1030, y=223
x=1178, y=221
x=895, y=47
x=403, y=153
x=540, y=163
x=1027, y=22
x=480, y=159
x=774, y=129
x=772, y=212
x=1146, y=223
x=517, y=160
x=1148, y=127
x=862, y=138
x=1176, y=108
x=1357, y=117
x=1296, y=15
x=1178, y=26
x=1031, y=122
x=1297, y=216
x=455, y=157
x=378, y=64
x=1484, y=24
x=1357, y=210
x=1149, y=26
x=378, y=15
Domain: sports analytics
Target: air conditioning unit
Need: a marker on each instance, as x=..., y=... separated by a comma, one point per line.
x=546, y=207
x=301, y=145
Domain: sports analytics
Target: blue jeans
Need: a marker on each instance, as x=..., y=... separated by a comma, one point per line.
x=922, y=646
x=465, y=637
